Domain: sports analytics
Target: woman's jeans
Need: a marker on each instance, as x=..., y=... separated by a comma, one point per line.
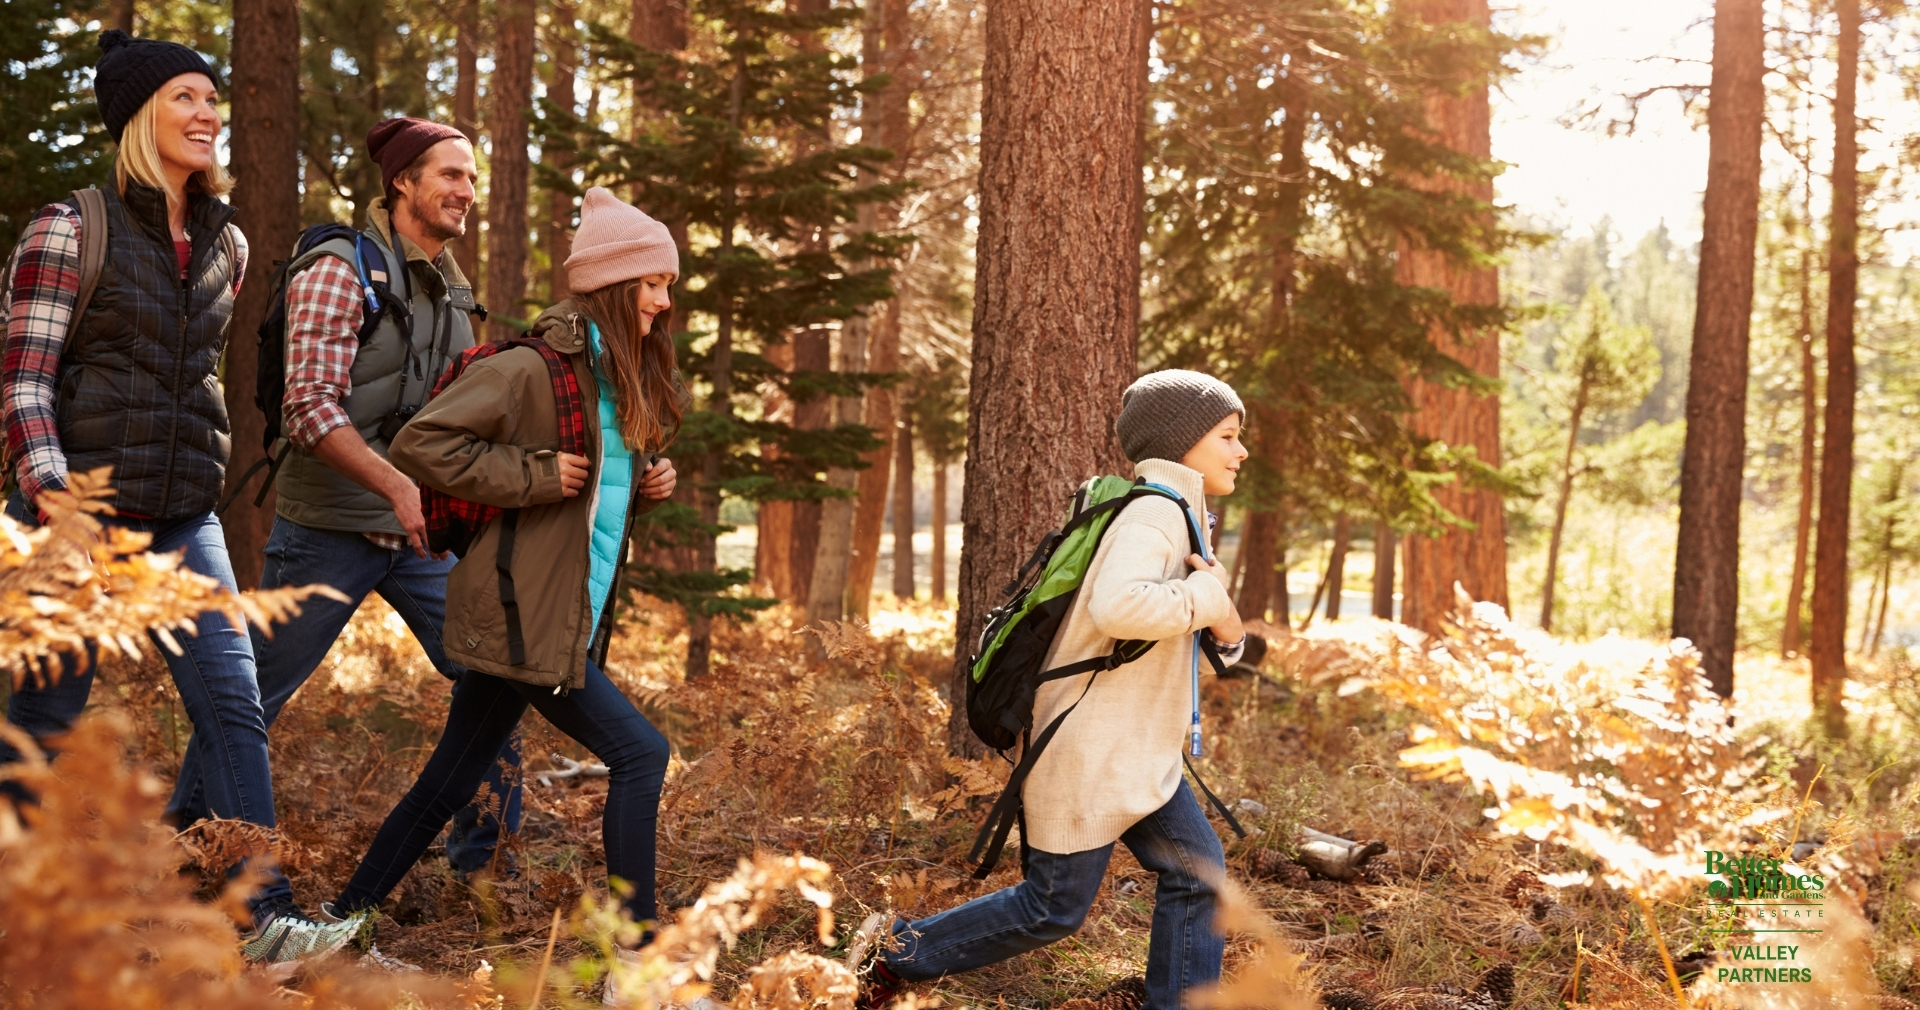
x=416, y=588
x=1175, y=842
x=484, y=713
x=215, y=676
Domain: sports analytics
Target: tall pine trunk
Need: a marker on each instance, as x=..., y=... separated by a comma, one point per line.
x=937, y=554
x=466, y=119
x=508, y=162
x=1560, y=505
x=1706, y=576
x=1791, y=638
x=1828, y=649
x=265, y=154
x=1259, y=543
x=120, y=15
x=1383, y=552
x=660, y=25
x=1473, y=556
x=1337, y=564
x=1057, y=282
x=903, y=510
x=556, y=227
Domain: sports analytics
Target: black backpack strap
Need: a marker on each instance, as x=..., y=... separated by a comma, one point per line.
x=503, y=563
x=272, y=465
x=992, y=839
x=1232, y=821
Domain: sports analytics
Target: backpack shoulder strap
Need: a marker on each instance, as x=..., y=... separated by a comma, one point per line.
x=92, y=205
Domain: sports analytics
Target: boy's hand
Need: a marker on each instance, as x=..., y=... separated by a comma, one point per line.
x=573, y=474
x=1230, y=630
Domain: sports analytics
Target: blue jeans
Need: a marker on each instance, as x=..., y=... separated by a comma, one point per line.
x=416, y=588
x=484, y=712
x=215, y=676
x=1175, y=842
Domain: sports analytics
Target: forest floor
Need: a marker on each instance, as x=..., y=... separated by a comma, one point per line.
x=845, y=760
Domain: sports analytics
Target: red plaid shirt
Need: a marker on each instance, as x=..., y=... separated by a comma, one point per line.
x=45, y=283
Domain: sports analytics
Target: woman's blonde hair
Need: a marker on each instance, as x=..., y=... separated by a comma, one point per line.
x=139, y=157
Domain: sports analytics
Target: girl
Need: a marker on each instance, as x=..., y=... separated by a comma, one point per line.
x=128, y=381
x=1112, y=774
x=493, y=436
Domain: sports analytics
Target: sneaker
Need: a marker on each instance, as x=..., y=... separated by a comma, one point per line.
x=866, y=950
x=288, y=935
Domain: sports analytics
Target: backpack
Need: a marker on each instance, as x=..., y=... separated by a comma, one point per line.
x=453, y=523
x=270, y=371
x=1010, y=665
x=92, y=206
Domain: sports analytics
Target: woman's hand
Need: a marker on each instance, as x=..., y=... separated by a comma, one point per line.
x=660, y=480
x=573, y=474
x=1230, y=630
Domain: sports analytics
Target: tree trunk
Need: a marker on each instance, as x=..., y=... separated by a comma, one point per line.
x=1259, y=541
x=557, y=228
x=1790, y=633
x=1383, y=550
x=903, y=510
x=1337, y=564
x=466, y=119
x=827, y=592
x=1475, y=555
x=265, y=152
x=120, y=15
x=507, y=178
x=1706, y=579
x=1560, y=507
x=1057, y=288
x=937, y=556
x=660, y=25
x=1830, y=581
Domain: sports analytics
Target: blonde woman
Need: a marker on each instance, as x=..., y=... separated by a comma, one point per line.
x=134, y=386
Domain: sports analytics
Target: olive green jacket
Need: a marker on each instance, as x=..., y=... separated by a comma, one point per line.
x=492, y=437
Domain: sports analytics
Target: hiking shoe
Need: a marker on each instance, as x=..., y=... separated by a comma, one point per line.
x=288, y=935
x=866, y=950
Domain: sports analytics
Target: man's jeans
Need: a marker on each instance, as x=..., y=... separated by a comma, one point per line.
x=215, y=676
x=1175, y=842
x=416, y=588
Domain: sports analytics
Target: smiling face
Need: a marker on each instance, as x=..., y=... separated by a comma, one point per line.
x=651, y=299
x=1218, y=455
x=186, y=121
x=434, y=195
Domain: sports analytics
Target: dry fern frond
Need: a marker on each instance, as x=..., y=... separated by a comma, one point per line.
x=76, y=580
x=851, y=641
x=1273, y=978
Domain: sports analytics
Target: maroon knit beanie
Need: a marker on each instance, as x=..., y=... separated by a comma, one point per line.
x=394, y=144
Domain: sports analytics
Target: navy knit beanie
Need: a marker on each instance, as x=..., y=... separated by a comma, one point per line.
x=1163, y=415
x=130, y=70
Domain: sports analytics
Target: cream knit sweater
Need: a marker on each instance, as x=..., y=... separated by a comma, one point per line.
x=1117, y=757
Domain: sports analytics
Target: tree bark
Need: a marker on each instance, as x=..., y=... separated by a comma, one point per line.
x=903, y=509
x=120, y=15
x=558, y=223
x=1057, y=289
x=1475, y=555
x=1706, y=578
x=1791, y=637
x=870, y=503
x=1383, y=551
x=508, y=161
x=1337, y=564
x=1828, y=649
x=1259, y=541
x=1560, y=506
x=937, y=555
x=660, y=25
x=265, y=152
x=466, y=119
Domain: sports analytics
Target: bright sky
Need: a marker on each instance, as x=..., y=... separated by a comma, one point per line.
x=1573, y=176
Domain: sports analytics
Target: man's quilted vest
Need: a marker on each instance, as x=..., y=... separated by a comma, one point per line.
x=389, y=373
x=139, y=380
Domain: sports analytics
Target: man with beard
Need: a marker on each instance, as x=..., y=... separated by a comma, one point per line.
x=346, y=517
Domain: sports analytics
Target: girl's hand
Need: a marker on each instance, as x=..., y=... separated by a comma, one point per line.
x=1230, y=630
x=573, y=474
x=660, y=480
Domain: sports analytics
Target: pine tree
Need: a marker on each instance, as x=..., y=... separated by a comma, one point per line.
x=51, y=140
x=771, y=254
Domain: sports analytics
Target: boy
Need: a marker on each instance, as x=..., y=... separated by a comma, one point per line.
x=1113, y=773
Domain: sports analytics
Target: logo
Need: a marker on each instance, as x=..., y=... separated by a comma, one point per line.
x=1769, y=901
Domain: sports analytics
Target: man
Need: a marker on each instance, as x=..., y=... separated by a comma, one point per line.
x=346, y=517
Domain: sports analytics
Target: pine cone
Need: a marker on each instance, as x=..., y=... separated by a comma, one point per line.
x=1127, y=994
x=1517, y=888
x=1271, y=865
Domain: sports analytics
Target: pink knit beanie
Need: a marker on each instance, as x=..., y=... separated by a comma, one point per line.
x=616, y=242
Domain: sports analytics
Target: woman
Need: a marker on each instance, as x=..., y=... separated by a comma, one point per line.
x=493, y=436
x=133, y=385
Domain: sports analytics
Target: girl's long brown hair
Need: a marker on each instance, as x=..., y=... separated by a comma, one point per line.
x=647, y=396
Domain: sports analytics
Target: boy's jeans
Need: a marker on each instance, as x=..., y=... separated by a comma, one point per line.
x=215, y=676
x=416, y=588
x=1175, y=842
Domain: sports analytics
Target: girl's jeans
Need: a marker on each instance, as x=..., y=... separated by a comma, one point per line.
x=416, y=588
x=215, y=676
x=484, y=713
x=1175, y=842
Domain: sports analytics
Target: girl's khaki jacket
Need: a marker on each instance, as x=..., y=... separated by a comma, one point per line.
x=492, y=437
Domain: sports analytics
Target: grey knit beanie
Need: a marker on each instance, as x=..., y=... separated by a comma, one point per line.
x=1163, y=415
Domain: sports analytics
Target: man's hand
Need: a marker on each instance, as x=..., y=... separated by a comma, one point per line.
x=660, y=480
x=573, y=474
x=404, y=495
x=1230, y=630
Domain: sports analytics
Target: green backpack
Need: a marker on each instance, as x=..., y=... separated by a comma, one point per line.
x=1010, y=665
